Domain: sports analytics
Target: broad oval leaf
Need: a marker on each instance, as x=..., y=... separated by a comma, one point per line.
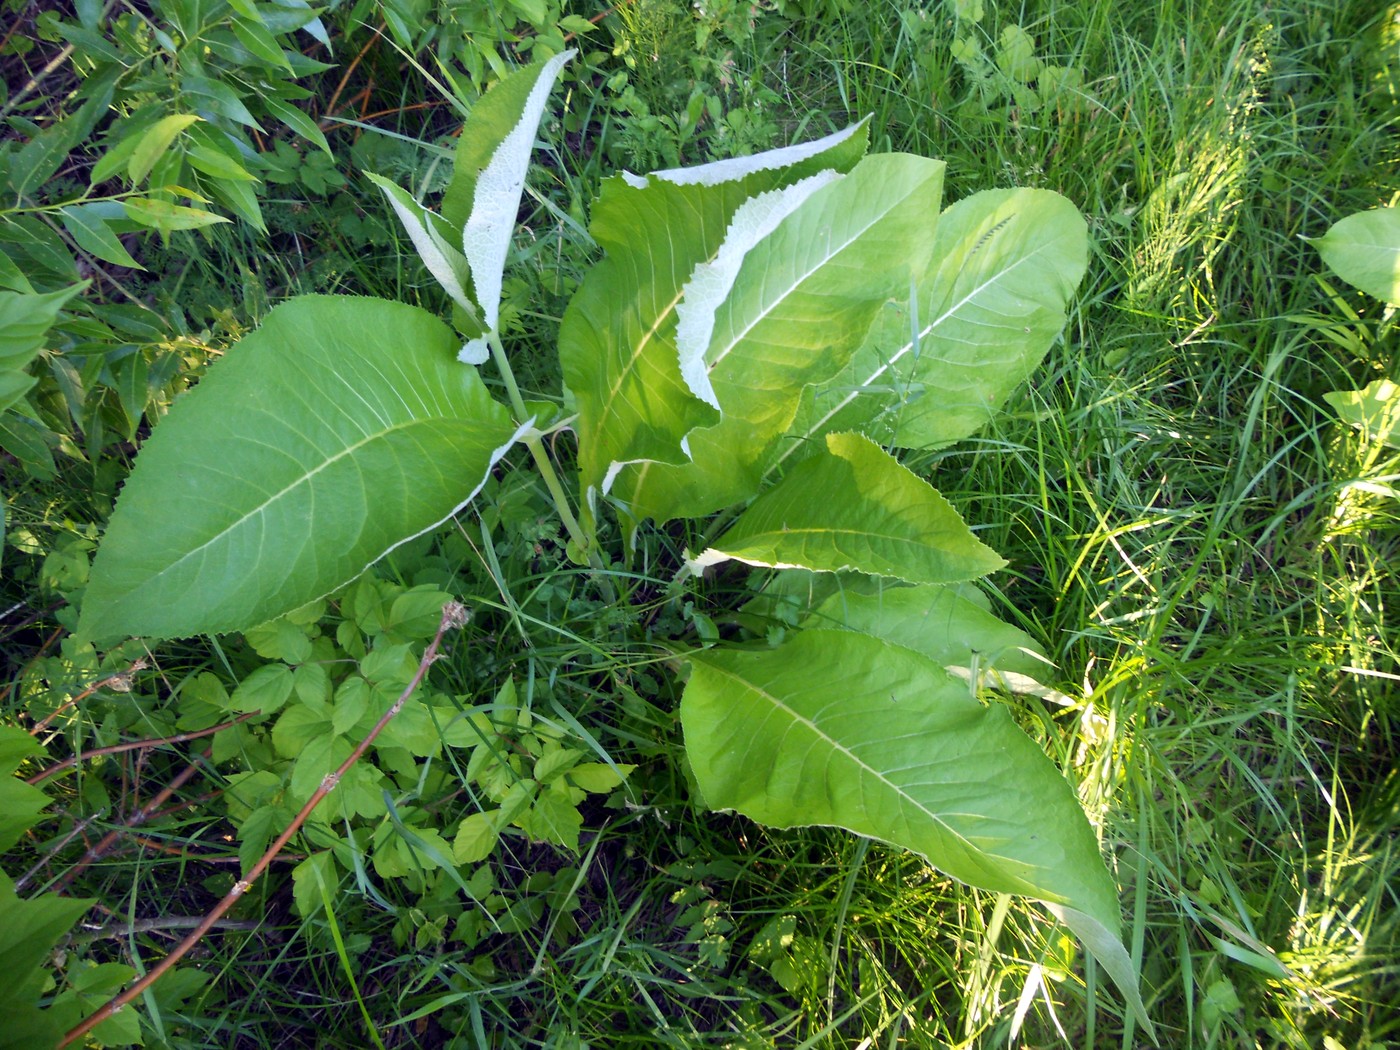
x=802, y=304
x=1005, y=265
x=617, y=344
x=838, y=728
x=856, y=507
x=841, y=729
x=336, y=431
x=1364, y=251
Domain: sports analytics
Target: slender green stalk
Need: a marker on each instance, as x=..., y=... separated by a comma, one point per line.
x=585, y=542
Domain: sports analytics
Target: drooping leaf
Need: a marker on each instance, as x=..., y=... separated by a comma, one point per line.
x=1375, y=411
x=802, y=304
x=988, y=308
x=167, y=217
x=435, y=244
x=88, y=225
x=839, y=728
x=1364, y=251
x=856, y=507
x=617, y=345
x=338, y=430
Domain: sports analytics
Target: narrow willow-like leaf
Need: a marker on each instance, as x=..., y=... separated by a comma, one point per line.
x=839, y=728
x=1005, y=265
x=1364, y=251
x=617, y=345
x=856, y=507
x=951, y=625
x=336, y=431
x=25, y=318
x=802, y=304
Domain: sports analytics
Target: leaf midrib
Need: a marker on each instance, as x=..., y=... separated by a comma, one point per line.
x=302, y=480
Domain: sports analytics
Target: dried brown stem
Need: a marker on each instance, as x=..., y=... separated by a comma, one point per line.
x=453, y=616
x=135, y=745
x=119, y=682
x=135, y=820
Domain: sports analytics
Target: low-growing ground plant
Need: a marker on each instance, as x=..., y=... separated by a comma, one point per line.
x=758, y=333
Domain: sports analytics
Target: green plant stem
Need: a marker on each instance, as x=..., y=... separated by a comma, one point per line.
x=582, y=540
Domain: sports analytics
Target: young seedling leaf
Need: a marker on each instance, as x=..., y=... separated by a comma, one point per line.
x=856, y=507
x=1364, y=251
x=341, y=428
x=1375, y=411
x=838, y=728
x=801, y=305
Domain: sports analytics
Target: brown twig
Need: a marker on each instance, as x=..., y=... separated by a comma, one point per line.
x=155, y=925
x=453, y=616
x=135, y=745
x=331, y=106
x=135, y=820
x=119, y=682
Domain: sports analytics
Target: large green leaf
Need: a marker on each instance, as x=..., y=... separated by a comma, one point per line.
x=856, y=507
x=617, y=345
x=1364, y=251
x=338, y=430
x=1005, y=265
x=801, y=304
x=951, y=625
x=839, y=728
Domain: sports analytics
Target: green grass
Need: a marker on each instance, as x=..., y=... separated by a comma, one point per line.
x=1206, y=554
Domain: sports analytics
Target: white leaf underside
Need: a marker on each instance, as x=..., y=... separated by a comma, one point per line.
x=489, y=229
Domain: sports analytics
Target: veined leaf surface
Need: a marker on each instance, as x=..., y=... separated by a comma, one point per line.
x=951, y=625
x=435, y=245
x=336, y=431
x=841, y=729
x=1005, y=263
x=856, y=507
x=1364, y=251
x=801, y=305
x=617, y=345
